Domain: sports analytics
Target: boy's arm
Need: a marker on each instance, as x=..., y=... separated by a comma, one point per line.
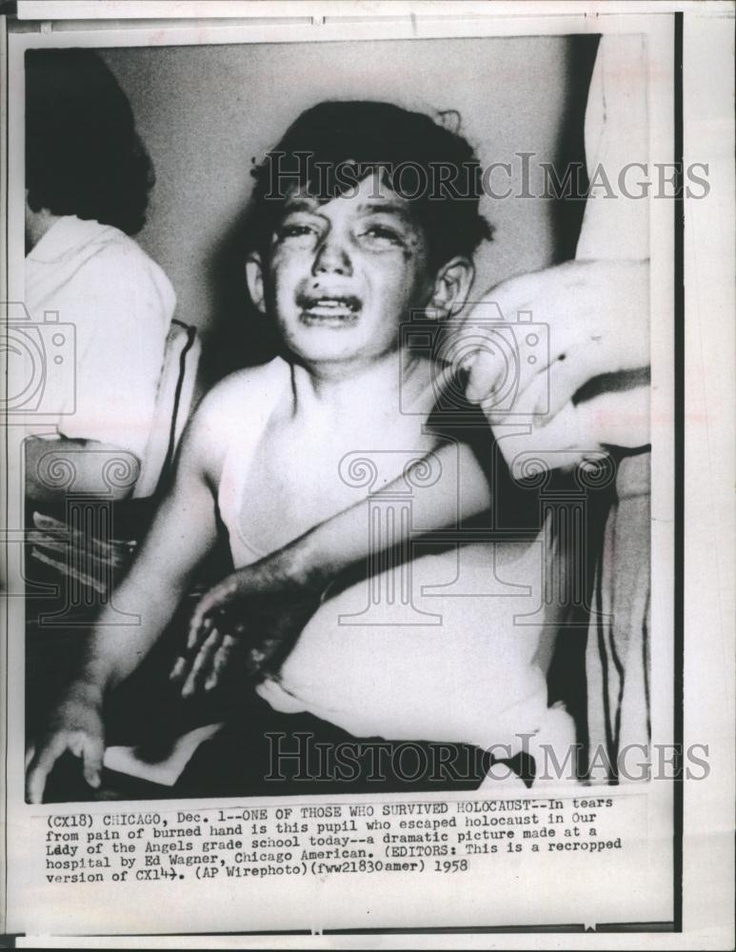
x=342, y=541
x=261, y=609
x=183, y=532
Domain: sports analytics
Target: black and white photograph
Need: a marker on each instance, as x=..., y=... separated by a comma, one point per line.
x=345, y=426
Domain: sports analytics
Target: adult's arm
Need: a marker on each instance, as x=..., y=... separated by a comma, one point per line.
x=54, y=467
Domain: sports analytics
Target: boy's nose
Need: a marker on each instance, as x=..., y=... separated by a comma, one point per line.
x=331, y=257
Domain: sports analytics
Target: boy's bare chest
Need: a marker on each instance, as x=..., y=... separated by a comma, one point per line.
x=302, y=475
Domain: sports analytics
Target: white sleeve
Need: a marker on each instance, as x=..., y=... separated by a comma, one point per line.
x=616, y=221
x=123, y=308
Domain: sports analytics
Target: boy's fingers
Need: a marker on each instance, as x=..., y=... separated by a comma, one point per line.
x=220, y=662
x=178, y=669
x=92, y=753
x=41, y=766
x=216, y=599
x=199, y=629
x=35, y=785
x=200, y=623
x=202, y=663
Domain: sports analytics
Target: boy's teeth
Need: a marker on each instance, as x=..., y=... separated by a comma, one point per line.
x=334, y=308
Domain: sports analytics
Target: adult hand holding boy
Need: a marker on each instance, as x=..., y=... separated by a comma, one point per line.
x=591, y=388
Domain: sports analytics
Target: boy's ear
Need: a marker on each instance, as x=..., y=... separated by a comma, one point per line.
x=254, y=279
x=452, y=287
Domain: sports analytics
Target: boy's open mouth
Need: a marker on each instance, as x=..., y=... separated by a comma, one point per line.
x=337, y=310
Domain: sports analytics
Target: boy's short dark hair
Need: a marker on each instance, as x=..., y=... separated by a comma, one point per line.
x=333, y=146
x=83, y=155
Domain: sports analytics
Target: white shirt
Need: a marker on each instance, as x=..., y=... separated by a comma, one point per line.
x=120, y=304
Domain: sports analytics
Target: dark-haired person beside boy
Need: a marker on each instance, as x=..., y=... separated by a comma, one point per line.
x=340, y=263
x=88, y=177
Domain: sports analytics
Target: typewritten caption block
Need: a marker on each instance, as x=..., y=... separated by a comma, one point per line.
x=236, y=842
x=586, y=856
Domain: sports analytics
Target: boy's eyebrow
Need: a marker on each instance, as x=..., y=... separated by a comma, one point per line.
x=306, y=203
x=301, y=204
x=385, y=205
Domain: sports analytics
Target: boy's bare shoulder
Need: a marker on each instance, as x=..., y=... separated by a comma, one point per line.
x=233, y=409
x=244, y=394
x=236, y=404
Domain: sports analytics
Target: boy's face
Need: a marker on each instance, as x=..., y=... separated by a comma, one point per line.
x=343, y=275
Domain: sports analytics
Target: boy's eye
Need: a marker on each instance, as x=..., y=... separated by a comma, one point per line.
x=382, y=235
x=296, y=231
